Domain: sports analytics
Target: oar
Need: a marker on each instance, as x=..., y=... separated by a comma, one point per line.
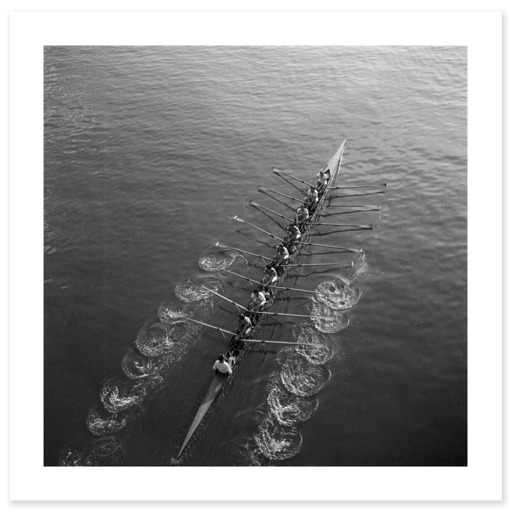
x=238, y=219
x=218, y=244
x=276, y=287
x=277, y=171
x=315, y=264
x=347, y=249
x=286, y=343
x=352, y=211
x=276, y=199
x=289, y=182
x=181, y=317
x=279, y=287
x=360, y=226
x=263, y=189
x=358, y=195
x=351, y=206
x=302, y=243
x=256, y=205
x=243, y=277
x=356, y=186
x=262, y=312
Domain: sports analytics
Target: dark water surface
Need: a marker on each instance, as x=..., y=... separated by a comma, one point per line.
x=149, y=151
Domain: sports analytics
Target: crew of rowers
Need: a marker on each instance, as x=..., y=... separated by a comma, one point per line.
x=262, y=294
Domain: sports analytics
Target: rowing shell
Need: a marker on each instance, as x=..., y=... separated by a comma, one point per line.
x=333, y=166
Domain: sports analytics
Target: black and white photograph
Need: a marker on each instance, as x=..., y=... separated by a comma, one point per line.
x=255, y=258
x=192, y=223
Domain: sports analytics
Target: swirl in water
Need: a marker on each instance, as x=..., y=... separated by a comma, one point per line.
x=138, y=366
x=105, y=452
x=327, y=320
x=277, y=442
x=71, y=455
x=289, y=409
x=158, y=339
x=337, y=295
x=332, y=300
x=153, y=340
x=118, y=395
x=192, y=291
x=218, y=262
x=299, y=376
x=177, y=312
x=100, y=422
x=306, y=333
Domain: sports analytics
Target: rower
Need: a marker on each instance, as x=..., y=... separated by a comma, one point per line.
x=301, y=216
x=282, y=256
x=269, y=279
x=244, y=327
x=292, y=238
x=321, y=182
x=258, y=301
x=312, y=199
x=223, y=365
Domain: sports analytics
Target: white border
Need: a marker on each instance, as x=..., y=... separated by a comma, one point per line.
x=29, y=32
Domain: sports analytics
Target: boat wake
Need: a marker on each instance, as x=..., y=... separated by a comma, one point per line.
x=290, y=401
x=105, y=451
x=159, y=344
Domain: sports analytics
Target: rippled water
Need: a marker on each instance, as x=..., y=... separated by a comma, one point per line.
x=149, y=152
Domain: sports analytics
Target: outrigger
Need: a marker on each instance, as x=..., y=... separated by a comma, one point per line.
x=238, y=345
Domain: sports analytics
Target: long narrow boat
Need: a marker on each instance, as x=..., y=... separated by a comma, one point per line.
x=235, y=347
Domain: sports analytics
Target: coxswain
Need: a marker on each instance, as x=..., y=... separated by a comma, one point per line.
x=223, y=365
x=244, y=327
x=269, y=279
x=312, y=200
x=301, y=217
